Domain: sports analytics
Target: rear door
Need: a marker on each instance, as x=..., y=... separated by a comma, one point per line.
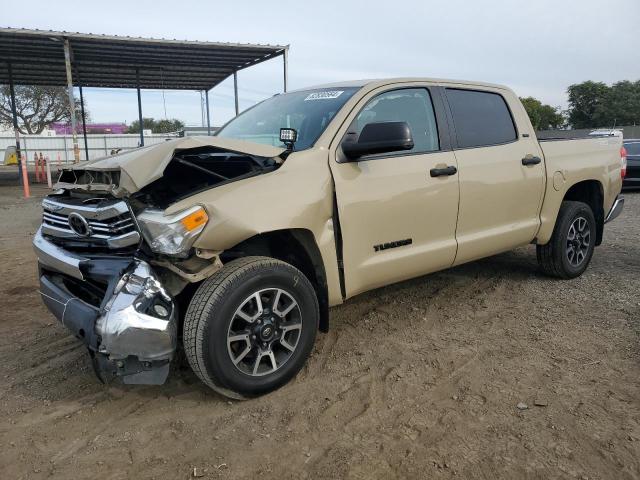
x=396, y=220
x=501, y=172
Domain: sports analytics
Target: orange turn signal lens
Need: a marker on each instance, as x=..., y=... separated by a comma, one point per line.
x=195, y=219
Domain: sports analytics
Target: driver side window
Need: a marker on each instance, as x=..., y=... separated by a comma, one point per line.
x=411, y=105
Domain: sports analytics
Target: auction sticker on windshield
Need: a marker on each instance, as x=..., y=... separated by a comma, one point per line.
x=327, y=95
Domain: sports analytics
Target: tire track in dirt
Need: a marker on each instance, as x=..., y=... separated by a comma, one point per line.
x=69, y=352
x=81, y=442
x=368, y=397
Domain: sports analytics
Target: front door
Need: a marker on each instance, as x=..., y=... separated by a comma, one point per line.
x=397, y=220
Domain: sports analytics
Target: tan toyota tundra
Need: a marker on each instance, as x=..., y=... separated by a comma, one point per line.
x=234, y=247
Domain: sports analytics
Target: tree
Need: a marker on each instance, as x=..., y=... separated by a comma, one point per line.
x=37, y=107
x=595, y=104
x=156, y=126
x=543, y=117
x=622, y=106
x=168, y=126
x=147, y=124
x=585, y=104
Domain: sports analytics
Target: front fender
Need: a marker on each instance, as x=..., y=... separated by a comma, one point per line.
x=298, y=195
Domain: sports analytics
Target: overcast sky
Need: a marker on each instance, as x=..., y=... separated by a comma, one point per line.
x=537, y=47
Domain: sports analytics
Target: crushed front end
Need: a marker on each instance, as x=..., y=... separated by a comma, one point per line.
x=114, y=263
x=100, y=284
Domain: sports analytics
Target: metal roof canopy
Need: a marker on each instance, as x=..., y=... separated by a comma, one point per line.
x=37, y=58
x=51, y=58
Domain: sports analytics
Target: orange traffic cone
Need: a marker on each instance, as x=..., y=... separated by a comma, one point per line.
x=25, y=177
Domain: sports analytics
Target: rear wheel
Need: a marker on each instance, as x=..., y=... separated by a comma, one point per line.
x=251, y=326
x=570, y=249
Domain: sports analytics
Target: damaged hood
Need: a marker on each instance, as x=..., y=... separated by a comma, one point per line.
x=141, y=166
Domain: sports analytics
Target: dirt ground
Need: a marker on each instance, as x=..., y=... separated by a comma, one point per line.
x=417, y=380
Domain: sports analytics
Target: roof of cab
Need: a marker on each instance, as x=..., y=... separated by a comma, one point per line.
x=372, y=83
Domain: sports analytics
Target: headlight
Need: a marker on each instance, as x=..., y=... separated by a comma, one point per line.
x=172, y=234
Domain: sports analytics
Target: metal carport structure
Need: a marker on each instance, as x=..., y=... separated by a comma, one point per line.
x=39, y=57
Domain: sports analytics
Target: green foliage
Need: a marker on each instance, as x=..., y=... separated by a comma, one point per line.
x=623, y=104
x=147, y=124
x=585, y=104
x=595, y=104
x=543, y=117
x=156, y=126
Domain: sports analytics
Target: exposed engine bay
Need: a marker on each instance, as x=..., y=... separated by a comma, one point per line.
x=161, y=174
x=198, y=169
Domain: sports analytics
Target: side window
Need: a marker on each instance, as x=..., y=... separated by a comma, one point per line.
x=411, y=105
x=481, y=118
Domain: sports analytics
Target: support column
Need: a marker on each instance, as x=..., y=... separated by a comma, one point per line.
x=72, y=103
x=140, y=108
x=206, y=96
x=202, y=109
x=285, y=61
x=84, y=126
x=235, y=91
x=14, y=116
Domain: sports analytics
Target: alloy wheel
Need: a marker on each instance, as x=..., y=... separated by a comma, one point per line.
x=264, y=331
x=578, y=241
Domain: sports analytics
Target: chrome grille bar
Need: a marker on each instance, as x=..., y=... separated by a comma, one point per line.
x=110, y=221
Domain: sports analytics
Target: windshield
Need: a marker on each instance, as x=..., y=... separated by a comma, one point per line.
x=309, y=112
x=632, y=148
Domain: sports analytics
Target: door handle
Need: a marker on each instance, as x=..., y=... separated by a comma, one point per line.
x=439, y=172
x=531, y=160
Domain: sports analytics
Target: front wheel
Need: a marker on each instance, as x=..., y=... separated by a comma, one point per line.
x=570, y=249
x=251, y=326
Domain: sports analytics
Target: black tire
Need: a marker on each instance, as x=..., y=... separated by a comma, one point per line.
x=555, y=257
x=213, y=309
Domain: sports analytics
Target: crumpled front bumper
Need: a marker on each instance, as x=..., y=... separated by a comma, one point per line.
x=116, y=305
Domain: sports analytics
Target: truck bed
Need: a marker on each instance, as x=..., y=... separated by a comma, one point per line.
x=569, y=161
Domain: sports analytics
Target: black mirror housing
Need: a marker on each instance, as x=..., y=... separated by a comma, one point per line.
x=379, y=137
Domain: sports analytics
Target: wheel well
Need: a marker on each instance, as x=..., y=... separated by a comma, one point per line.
x=591, y=193
x=296, y=247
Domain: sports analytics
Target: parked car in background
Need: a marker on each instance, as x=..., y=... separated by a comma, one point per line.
x=606, y=133
x=237, y=245
x=632, y=179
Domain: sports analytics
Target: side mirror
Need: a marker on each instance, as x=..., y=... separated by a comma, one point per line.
x=380, y=137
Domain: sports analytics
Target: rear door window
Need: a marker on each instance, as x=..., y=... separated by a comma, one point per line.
x=480, y=118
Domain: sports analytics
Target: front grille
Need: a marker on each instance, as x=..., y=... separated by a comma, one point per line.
x=102, y=230
x=100, y=222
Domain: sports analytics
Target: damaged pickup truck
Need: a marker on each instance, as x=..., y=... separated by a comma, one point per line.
x=234, y=247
